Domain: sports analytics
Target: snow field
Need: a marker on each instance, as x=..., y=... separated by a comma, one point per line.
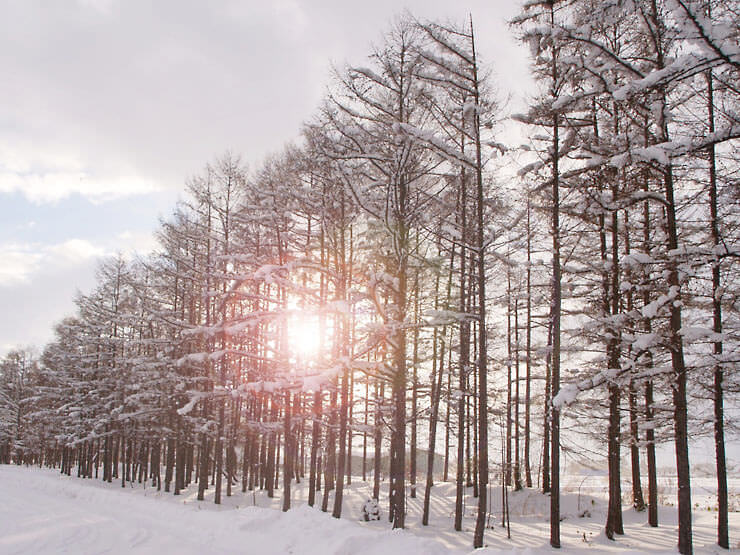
x=46, y=512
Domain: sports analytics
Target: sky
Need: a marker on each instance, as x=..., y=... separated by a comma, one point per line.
x=107, y=106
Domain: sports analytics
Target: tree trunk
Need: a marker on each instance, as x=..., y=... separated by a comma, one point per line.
x=463, y=364
x=436, y=393
x=680, y=413
x=556, y=303
x=637, y=500
x=414, y=390
x=480, y=522
x=547, y=412
x=342, y=459
x=517, y=462
x=378, y=439
x=315, y=442
x=614, y=524
x=289, y=451
x=723, y=539
x=203, y=467
x=219, y=453
x=528, y=367
x=331, y=448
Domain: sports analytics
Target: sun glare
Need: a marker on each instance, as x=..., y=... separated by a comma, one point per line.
x=303, y=337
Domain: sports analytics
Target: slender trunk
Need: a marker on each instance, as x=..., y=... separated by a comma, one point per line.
x=398, y=431
x=436, y=382
x=723, y=539
x=315, y=441
x=414, y=391
x=348, y=465
x=678, y=380
x=649, y=411
x=556, y=302
x=219, y=453
x=528, y=367
x=289, y=452
x=276, y=474
x=474, y=397
x=116, y=450
x=364, y=432
x=517, y=463
x=614, y=524
x=318, y=400
x=637, y=500
x=378, y=439
x=203, y=467
x=448, y=415
x=339, y=489
x=680, y=408
x=400, y=226
x=509, y=364
x=480, y=522
x=106, y=456
x=272, y=447
x=180, y=464
x=464, y=362
x=246, y=457
x=614, y=513
x=331, y=451
x=547, y=412
x=343, y=337
x=169, y=463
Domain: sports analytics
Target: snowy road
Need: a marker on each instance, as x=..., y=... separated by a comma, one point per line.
x=43, y=512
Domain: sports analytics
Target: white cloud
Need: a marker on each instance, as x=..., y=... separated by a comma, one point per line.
x=46, y=173
x=17, y=263
x=33, y=306
x=54, y=186
x=75, y=250
x=135, y=242
x=109, y=99
x=38, y=282
x=20, y=262
x=18, y=155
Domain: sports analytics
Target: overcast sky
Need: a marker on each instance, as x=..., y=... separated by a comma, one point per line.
x=107, y=106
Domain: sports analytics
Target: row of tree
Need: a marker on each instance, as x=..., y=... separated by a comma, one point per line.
x=436, y=284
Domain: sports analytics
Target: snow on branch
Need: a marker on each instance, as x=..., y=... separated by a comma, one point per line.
x=431, y=139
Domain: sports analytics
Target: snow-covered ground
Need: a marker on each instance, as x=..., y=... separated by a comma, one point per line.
x=42, y=511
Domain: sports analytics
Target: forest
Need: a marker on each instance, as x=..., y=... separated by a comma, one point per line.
x=405, y=295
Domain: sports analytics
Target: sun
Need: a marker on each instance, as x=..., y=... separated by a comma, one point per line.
x=303, y=336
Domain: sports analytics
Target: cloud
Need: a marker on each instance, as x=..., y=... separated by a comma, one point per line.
x=108, y=100
x=46, y=174
x=31, y=308
x=21, y=262
x=38, y=282
x=75, y=250
x=18, y=263
x=135, y=242
x=54, y=186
